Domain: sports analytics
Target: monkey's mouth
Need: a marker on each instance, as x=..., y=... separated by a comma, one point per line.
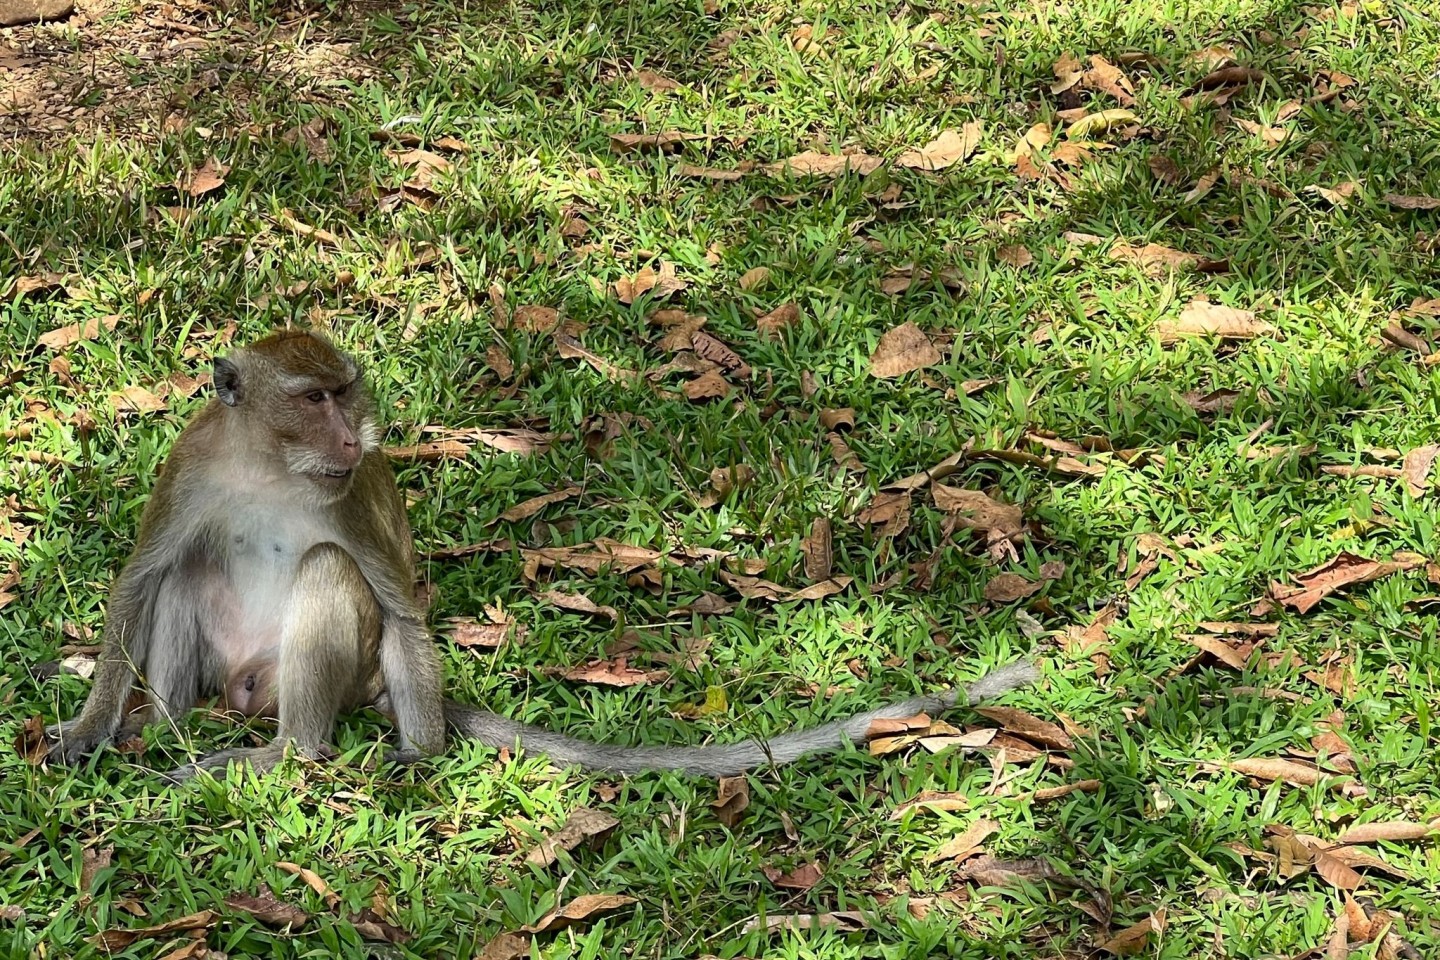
x=336, y=474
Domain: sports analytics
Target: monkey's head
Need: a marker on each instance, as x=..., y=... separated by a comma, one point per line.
x=307, y=398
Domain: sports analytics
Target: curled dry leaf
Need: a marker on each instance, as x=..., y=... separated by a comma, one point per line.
x=732, y=797
x=268, y=910
x=1398, y=830
x=819, y=557
x=838, y=418
x=890, y=512
x=707, y=386
x=967, y=844
x=1029, y=726
x=1216, y=401
x=579, y=603
x=949, y=148
x=1133, y=939
x=901, y=350
x=209, y=178
x=1338, y=195
x=659, y=284
x=1274, y=769
x=1347, y=568
x=614, y=673
x=1016, y=256
x=584, y=825
x=1009, y=587
x=433, y=450
x=506, y=946
x=579, y=910
x=1201, y=318
x=801, y=878
x=528, y=508
x=1227, y=77
x=62, y=337
x=120, y=938
x=840, y=921
x=136, y=400
x=1416, y=468
x=570, y=349
x=667, y=141
x=812, y=164
x=31, y=742
x=1407, y=202
x=754, y=278
x=778, y=319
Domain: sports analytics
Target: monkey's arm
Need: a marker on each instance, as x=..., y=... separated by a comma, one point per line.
x=724, y=760
x=129, y=617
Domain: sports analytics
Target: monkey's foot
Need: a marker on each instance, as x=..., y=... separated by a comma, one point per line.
x=71, y=743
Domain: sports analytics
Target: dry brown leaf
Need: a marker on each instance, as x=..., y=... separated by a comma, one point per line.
x=819, y=557
x=1202, y=186
x=120, y=938
x=1338, y=195
x=92, y=861
x=289, y=221
x=709, y=605
x=979, y=512
x=47, y=282
x=506, y=946
x=838, y=418
x=584, y=825
x=667, y=141
x=528, y=508
x=949, y=148
x=535, y=318
x=655, y=82
x=136, y=400
x=812, y=164
x=197, y=183
x=1166, y=170
x=967, y=844
x=312, y=880
x=1029, y=726
x=778, y=319
x=1009, y=587
x=754, y=278
x=1064, y=790
x=1395, y=830
x=1108, y=78
x=1216, y=401
x=582, y=908
x=570, y=349
x=1133, y=939
x=901, y=350
x=1016, y=256
x=1407, y=202
x=579, y=603
x=1416, y=468
x=1228, y=77
x=708, y=386
x=732, y=797
x=1318, y=583
x=614, y=673
x=801, y=878
x=839, y=921
x=434, y=450
x=1273, y=769
x=889, y=512
x=1201, y=318
x=706, y=173
x=62, y=337
x=1232, y=657
x=268, y=910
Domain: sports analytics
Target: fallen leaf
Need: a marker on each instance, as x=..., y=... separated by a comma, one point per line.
x=840, y=921
x=1029, y=726
x=570, y=349
x=664, y=142
x=579, y=603
x=580, y=909
x=659, y=284
x=801, y=878
x=197, y=183
x=1271, y=769
x=979, y=511
x=1272, y=136
x=1133, y=939
x=288, y=220
x=92, y=861
x=535, y=318
x=528, y=508
x=949, y=148
x=1016, y=256
x=62, y=337
x=778, y=319
x=1166, y=170
x=1397, y=830
x=707, y=386
x=1009, y=587
x=901, y=350
x=889, y=512
x=1318, y=583
x=732, y=797
x=819, y=559
x=655, y=82
x=1202, y=186
x=1101, y=122
x=1416, y=468
x=1108, y=78
x=1216, y=401
x=706, y=173
x=754, y=278
x=268, y=910
x=838, y=418
x=312, y=880
x=812, y=164
x=434, y=450
x=1407, y=202
x=967, y=844
x=136, y=400
x=716, y=351
x=47, y=282
x=120, y=938
x=1201, y=318
x=1228, y=77
x=584, y=825
x=709, y=605
x=1338, y=195
x=506, y=946
x=1064, y=790
x=31, y=742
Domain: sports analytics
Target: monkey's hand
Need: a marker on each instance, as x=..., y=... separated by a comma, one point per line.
x=73, y=741
x=405, y=756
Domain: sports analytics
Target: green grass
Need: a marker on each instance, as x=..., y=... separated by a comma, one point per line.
x=535, y=90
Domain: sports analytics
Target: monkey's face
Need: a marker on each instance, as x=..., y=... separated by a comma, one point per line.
x=309, y=398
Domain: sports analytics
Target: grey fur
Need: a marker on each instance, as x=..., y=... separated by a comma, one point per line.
x=722, y=760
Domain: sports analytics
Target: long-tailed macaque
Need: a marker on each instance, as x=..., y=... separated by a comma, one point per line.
x=274, y=567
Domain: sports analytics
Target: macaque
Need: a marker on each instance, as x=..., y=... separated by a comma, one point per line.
x=274, y=568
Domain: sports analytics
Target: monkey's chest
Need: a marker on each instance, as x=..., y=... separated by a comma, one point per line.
x=264, y=550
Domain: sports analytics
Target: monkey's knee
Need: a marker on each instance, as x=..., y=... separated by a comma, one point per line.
x=330, y=580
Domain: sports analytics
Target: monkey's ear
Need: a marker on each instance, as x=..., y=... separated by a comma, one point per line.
x=227, y=382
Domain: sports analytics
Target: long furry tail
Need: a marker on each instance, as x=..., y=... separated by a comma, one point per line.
x=722, y=760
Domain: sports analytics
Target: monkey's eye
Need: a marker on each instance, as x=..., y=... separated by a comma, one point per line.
x=317, y=397
x=340, y=390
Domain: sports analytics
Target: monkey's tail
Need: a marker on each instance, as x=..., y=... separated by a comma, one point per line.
x=723, y=760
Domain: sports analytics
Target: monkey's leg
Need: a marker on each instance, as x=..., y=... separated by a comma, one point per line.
x=129, y=619
x=332, y=618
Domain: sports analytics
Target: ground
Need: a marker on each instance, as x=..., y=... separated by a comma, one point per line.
x=180, y=176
